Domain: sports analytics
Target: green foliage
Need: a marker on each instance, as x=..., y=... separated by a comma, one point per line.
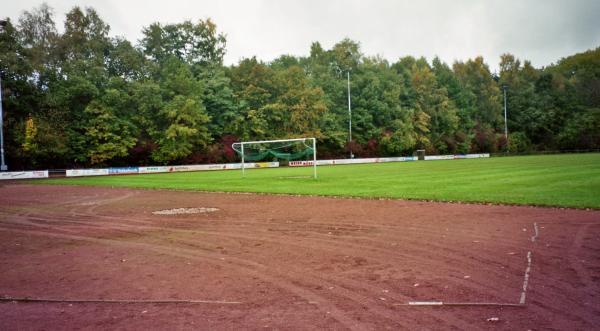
x=29, y=144
x=185, y=118
x=80, y=97
x=583, y=129
x=298, y=107
x=219, y=100
x=400, y=139
x=108, y=136
x=436, y=114
x=519, y=143
x=197, y=43
x=482, y=94
x=182, y=119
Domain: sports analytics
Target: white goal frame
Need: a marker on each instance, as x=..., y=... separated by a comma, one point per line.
x=242, y=143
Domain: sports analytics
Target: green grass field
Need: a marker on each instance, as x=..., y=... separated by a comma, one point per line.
x=569, y=180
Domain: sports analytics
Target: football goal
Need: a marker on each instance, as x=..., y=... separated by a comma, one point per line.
x=304, y=149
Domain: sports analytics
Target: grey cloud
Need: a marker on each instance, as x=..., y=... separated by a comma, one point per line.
x=541, y=31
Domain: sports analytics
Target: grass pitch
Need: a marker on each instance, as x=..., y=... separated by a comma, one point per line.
x=568, y=180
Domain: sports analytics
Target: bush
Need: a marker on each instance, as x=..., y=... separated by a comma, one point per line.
x=581, y=131
x=518, y=143
x=484, y=140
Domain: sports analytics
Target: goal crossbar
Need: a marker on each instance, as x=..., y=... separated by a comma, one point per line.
x=270, y=141
x=241, y=144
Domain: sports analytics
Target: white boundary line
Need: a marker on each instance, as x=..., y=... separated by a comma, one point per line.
x=535, y=229
x=441, y=303
x=425, y=303
x=528, y=269
x=526, y=279
x=521, y=300
x=121, y=301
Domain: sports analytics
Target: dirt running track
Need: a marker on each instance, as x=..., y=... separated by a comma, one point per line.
x=290, y=263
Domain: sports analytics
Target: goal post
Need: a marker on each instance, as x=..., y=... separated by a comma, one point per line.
x=261, y=150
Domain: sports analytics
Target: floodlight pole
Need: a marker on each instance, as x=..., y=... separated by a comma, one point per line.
x=243, y=170
x=314, y=157
x=504, y=87
x=3, y=166
x=349, y=118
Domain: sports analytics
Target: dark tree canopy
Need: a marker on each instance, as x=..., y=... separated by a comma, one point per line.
x=82, y=98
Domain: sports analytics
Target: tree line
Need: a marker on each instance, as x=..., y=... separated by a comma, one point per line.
x=81, y=98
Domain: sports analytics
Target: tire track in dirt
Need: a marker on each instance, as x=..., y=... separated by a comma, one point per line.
x=432, y=245
x=538, y=299
x=328, y=307
x=325, y=238
x=348, y=287
x=360, y=301
x=390, y=295
x=348, y=294
x=589, y=296
x=99, y=203
x=576, y=261
x=476, y=261
x=401, y=227
x=335, y=245
x=553, y=297
x=388, y=233
x=322, y=240
x=415, y=225
x=378, y=250
x=440, y=247
x=390, y=237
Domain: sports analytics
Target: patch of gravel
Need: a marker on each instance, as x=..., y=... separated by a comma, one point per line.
x=178, y=211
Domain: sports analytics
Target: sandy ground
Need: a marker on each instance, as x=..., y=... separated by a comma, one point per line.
x=290, y=263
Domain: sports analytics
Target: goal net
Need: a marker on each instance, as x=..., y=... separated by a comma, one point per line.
x=286, y=150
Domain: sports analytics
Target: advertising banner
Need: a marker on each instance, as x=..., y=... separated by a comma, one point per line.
x=301, y=163
x=152, y=170
x=476, y=156
x=181, y=168
x=191, y=167
x=24, y=174
x=206, y=167
x=264, y=165
x=438, y=157
x=397, y=159
x=86, y=172
x=123, y=170
x=353, y=161
x=250, y=165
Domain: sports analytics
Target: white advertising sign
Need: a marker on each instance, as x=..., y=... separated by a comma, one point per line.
x=24, y=174
x=86, y=172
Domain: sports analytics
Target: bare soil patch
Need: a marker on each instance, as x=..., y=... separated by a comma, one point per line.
x=291, y=262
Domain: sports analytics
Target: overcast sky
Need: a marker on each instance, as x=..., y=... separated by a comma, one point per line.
x=542, y=31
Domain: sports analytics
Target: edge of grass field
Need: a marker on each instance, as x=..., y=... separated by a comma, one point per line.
x=334, y=196
x=508, y=202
